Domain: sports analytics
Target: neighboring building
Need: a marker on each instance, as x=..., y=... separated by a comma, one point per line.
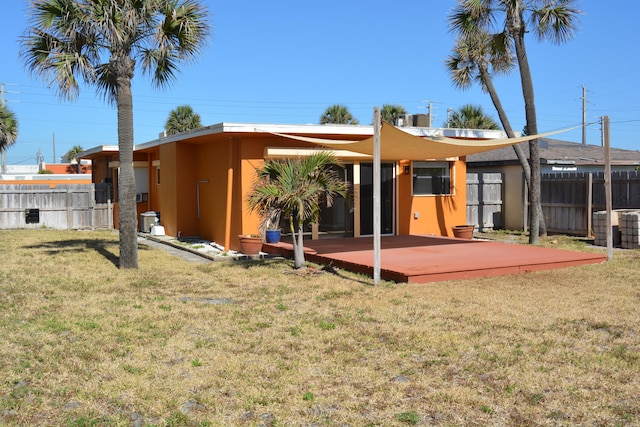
x=61, y=199
x=198, y=181
x=57, y=173
x=68, y=168
x=555, y=157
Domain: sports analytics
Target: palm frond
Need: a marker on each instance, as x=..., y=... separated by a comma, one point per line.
x=8, y=127
x=556, y=21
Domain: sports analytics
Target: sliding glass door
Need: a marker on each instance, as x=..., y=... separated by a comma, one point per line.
x=387, y=198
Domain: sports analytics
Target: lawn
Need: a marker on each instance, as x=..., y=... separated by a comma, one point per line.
x=231, y=344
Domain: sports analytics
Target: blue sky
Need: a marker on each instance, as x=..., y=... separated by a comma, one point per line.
x=287, y=61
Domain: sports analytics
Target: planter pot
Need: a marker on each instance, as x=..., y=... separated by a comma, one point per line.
x=273, y=236
x=463, y=231
x=250, y=245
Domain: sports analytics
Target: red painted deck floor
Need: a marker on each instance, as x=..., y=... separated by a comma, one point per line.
x=422, y=259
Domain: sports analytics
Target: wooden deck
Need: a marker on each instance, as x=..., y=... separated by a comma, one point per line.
x=422, y=259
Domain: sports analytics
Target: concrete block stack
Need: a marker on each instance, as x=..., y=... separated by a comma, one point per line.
x=630, y=230
x=600, y=228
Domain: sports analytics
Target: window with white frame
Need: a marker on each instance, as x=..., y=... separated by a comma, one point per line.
x=431, y=178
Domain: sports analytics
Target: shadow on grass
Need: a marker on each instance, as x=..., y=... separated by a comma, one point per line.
x=103, y=247
x=308, y=271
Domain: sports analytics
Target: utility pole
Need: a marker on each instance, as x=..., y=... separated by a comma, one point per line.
x=584, y=115
x=430, y=113
x=3, y=165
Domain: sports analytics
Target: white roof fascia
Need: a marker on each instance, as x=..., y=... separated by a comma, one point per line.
x=98, y=149
x=315, y=129
x=226, y=127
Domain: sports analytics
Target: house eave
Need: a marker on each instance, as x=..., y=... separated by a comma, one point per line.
x=357, y=131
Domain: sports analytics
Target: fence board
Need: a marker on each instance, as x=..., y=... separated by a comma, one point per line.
x=484, y=200
x=565, y=198
x=66, y=206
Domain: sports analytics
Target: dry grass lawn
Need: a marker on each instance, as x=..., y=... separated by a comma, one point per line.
x=231, y=344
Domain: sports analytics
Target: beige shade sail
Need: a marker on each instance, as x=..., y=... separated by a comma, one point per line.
x=400, y=145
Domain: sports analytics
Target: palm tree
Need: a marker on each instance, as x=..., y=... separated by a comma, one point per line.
x=72, y=155
x=337, y=114
x=389, y=113
x=8, y=133
x=182, y=119
x=296, y=189
x=103, y=43
x=476, y=57
x=554, y=20
x=471, y=117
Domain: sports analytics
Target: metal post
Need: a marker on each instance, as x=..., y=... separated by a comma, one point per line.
x=607, y=184
x=376, y=195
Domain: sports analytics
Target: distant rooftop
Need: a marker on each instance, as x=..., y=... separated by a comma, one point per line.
x=553, y=151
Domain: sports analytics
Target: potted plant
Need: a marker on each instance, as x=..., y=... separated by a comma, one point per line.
x=250, y=244
x=463, y=231
x=272, y=225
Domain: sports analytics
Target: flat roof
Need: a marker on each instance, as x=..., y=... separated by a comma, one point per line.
x=299, y=129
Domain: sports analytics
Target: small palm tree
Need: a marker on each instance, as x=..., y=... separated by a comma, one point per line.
x=182, y=119
x=472, y=117
x=389, y=113
x=103, y=43
x=8, y=132
x=338, y=114
x=297, y=188
x=72, y=155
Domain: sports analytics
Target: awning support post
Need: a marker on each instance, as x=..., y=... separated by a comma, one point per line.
x=376, y=195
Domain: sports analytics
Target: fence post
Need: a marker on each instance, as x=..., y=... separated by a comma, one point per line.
x=92, y=205
x=525, y=206
x=589, y=203
x=69, y=209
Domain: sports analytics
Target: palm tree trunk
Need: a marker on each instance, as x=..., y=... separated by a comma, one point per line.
x=297, y=242
x=127, y=218
x=506, y=124
x=535, y=212
x=298, y=247
x=298, y=255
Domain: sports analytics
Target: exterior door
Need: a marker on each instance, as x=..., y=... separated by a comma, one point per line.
x=337, y=220
x=387, y=202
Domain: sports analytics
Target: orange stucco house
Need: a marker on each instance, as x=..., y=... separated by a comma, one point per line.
x=198, y=181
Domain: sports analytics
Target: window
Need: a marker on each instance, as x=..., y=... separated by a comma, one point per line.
x=431, y=178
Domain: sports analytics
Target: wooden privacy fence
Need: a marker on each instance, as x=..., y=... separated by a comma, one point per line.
x=484, y=200
x=65, y=206
x=569, y=199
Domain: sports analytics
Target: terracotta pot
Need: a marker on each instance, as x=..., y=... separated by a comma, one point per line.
x=463, y=231
x=250, y=245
